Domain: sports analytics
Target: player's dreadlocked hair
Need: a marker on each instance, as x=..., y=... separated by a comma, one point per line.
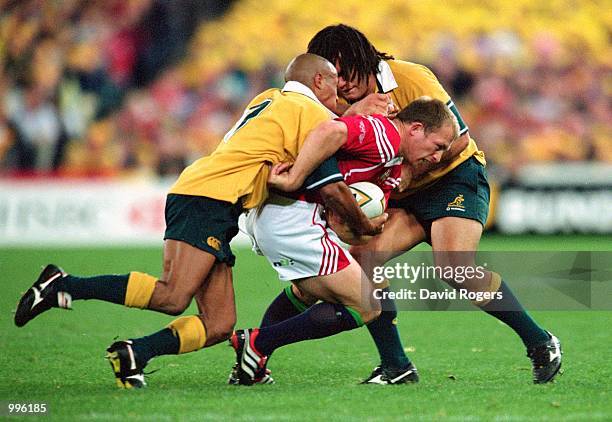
x=347, y=46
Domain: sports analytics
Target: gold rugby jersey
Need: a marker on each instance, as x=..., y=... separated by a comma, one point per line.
x=272, y=129
x=405, y=82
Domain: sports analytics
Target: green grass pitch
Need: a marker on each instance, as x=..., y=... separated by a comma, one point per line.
x=472, y=367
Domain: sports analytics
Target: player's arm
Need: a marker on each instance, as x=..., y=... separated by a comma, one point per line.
x=321, y=143
x=338, y=200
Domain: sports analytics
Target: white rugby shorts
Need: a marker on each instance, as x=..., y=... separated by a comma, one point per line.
x=295, y=238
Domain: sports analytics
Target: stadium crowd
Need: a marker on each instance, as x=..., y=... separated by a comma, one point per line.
x=131, y=88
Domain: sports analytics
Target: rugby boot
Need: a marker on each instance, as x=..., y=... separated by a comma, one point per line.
x=42, y=296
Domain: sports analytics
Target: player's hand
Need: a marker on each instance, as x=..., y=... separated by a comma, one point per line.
x=392, y=108
x=406, y=177
x=280, y=177
x=372, y=104
x=339, y=226
x=342, y=229
x=377, y=224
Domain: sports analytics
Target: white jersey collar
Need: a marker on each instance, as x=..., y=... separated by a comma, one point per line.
x=385, y=77
x=300, y=88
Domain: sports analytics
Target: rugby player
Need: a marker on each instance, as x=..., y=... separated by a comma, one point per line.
x=294, y=237
x=445, y=204
x=202, y=210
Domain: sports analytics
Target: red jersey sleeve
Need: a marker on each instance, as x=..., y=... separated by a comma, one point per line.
x=373, y=138
x=359, y=130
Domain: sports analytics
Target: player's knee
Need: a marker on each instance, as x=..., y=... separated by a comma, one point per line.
x=225, y=331
x=306, y=298
x=175, y=304
x=219, y=330
x=370, y=315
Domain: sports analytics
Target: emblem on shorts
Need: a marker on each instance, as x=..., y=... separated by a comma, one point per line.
x=283, y=262
x=456, y=204
x=214, y=243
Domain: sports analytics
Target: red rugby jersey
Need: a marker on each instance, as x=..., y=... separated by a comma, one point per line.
x=370, y=153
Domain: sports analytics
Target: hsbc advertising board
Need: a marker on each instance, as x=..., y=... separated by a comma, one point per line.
x=81, y=213
x=72, y=213
x=550, y=211
x=556, y=198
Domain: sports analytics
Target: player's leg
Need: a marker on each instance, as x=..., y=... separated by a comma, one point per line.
x=348, y=304
x=457, y=208
x=217, y=305
x=188, y=232
x=289, y=303
x=402, y=232
x=453, y=240
x=185, y=269
x=171, y=295
x=291, y=234
x=201, y=263
x=382, y=248
x=215, y=322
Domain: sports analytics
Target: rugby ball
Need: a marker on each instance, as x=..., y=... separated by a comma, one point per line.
x=370, y=198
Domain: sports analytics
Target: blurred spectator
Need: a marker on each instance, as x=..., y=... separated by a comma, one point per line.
x=39, y=136
x=66, y=66
x=143, y=87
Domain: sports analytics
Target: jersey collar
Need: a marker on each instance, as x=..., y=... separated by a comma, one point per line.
x=300, y=88
x=384, y=78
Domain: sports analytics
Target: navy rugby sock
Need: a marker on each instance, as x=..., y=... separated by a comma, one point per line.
x=283, y=307
x=509, y=310
x=110, y=288
x=385, y=334
x=320, y=320
x=163, y=342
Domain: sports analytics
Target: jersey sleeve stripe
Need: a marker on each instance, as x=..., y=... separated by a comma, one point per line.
x=360, y=170
x=385, y=139
x=381, y=141
x=376, y=137
x=337, y=176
